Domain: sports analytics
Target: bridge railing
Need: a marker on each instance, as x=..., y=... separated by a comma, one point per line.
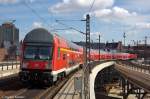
x=141, y=63
x=137, y=67
x=92, y=64
x=10, y=65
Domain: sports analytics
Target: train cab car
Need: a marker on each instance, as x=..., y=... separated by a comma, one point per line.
x=37, y=56
x=46, y=57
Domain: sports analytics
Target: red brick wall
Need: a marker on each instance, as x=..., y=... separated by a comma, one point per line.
x=2, y=54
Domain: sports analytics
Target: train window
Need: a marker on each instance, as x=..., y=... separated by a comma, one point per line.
x=42, y=53
x=64, y=56
x=58, y=54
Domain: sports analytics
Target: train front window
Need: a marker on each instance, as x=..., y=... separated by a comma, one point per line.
x=44, y=53
x=30, y=52
x=40, y=53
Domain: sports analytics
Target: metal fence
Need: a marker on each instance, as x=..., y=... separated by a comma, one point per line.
x=135, y=66
x=9, y=65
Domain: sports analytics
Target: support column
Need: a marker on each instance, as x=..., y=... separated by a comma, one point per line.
x=139, y=93
x=124, y=88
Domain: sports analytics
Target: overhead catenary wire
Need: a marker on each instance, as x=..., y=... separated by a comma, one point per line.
x=68, y=20
x=39, y=16
x=62, y=29
x=91, y=6
x=70, y=27
x=58, y=21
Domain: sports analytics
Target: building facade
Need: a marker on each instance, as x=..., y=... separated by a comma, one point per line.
x=9, y=34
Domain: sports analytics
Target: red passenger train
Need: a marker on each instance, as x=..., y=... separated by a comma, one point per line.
x=47, y=58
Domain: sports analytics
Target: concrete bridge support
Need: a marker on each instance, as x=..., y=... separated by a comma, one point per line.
x=93, y=75
x=129, y=88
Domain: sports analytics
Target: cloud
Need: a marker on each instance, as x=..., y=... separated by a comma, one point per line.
x=123, y=17
x=116, y=13
x=123, y=13
x=74, y=5
x=8, y=1
x=37, y=25
x=143, y=25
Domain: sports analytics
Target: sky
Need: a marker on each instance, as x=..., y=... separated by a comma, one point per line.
x=109, y=18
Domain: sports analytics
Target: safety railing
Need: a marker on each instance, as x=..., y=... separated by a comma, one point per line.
x=92, y=64
x=9, y=65
x=141, y=63
x=137, y=67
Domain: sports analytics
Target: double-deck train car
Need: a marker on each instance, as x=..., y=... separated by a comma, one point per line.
x=47, y=58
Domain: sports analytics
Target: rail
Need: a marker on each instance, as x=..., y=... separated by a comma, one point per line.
x=9, y=65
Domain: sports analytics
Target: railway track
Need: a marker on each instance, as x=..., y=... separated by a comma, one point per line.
x=69, y=84
x=10, y=85
x=13, y=88
x=8, y=79
x=53, y=90
x=68, y=91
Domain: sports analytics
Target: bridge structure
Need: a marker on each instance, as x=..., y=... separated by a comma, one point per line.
x=133, y=78
x=96, y=68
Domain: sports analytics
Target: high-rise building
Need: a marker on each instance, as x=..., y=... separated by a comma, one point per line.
x=9, y=34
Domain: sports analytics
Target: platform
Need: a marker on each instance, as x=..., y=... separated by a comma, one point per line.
x=10, y=71
x=68, y=90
